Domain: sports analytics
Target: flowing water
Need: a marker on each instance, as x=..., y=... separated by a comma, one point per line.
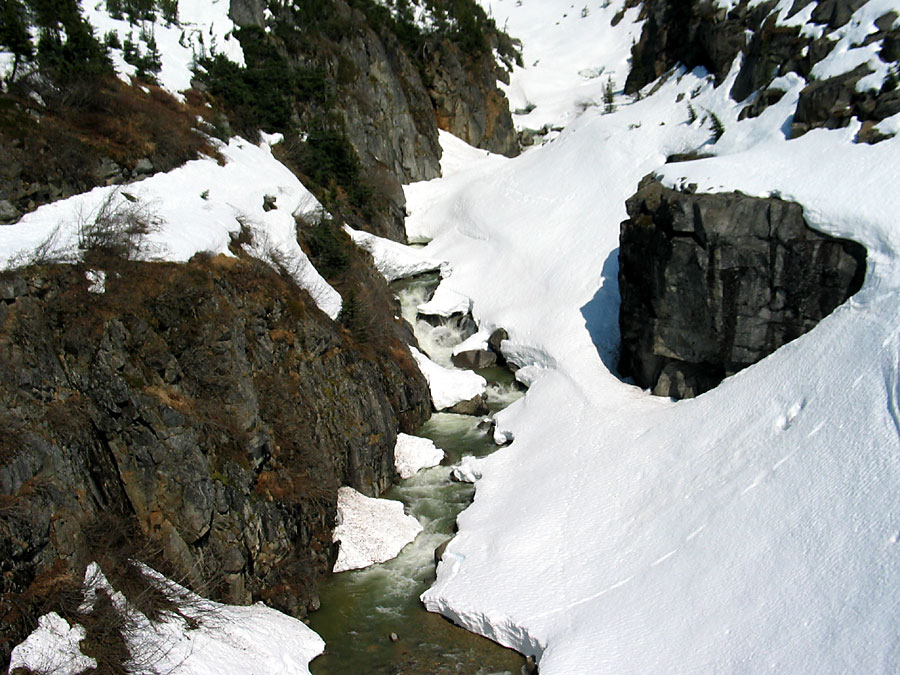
x=362, y=608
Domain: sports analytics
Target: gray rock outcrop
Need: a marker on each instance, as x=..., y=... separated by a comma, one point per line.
x=712, y=283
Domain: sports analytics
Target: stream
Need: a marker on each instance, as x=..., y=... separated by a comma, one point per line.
x=361, y=609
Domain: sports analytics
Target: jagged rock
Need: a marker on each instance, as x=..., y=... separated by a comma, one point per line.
x=106, y=172
x=143, y=167
x=497, y=338
x=8, y=212
x=694, y=34
x=774, y=51
x=712, y=283
x=835, y=13
x=827, y=103
x=247, y=12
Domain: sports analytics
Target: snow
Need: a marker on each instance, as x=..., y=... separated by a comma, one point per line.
x=370, y=530
x=393, y=260
x=753, y=528
x=448, y=386
x=467, y=470
x=52, y=648
x=96, y=281
x=194, y=208
x=559, y=82
x=228, y=640
x=412, y=454
x=203, y=29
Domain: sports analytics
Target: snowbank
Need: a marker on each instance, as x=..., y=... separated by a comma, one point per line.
x=752, y=528
x=193, y=208
x=448, y=386
x=227, y=640
x=412, y=454
x=370, y=530
x=393, y=260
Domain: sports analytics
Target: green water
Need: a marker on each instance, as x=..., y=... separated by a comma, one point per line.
x=360, y=609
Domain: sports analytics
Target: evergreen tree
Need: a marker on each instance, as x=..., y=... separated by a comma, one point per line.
x=14, y=34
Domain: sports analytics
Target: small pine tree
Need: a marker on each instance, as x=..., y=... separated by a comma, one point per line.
x=692, y=114
x=717, y=127
x=609, y=96
x=169, y=11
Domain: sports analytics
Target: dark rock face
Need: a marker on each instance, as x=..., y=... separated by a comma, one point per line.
x=212, y=404
x=467, y=102
x=712, y=283
x=691, y=33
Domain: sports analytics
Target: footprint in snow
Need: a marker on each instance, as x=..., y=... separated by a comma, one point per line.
x=786, y=421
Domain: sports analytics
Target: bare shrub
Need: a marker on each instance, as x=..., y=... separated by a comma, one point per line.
x=117, y=227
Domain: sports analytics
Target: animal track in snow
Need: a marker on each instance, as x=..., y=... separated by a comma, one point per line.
x=784, y=422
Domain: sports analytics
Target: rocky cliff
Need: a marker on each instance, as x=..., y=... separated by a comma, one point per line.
x=391, y=86
x=210, y=406
x=700, y=33
x=711, y=283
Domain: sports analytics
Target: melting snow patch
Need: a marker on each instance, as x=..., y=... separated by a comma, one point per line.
x=53, y=647
x=96, y=281
x=194, y=208
x=448, y=387
x=370, y=530
x=411, y=454
x=393, y=260
x=206, y=638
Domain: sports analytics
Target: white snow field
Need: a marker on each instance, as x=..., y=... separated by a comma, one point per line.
x=227, y=640
x=755, y=528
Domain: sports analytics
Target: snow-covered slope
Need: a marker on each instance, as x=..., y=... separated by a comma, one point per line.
x=204, y=638
x=753, y=528
x=194, y=208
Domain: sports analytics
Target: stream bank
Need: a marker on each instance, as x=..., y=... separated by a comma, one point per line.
x=363, y=610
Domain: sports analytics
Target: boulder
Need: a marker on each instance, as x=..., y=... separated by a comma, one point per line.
x=477, y=405
x=711, y=283
x=474, y=359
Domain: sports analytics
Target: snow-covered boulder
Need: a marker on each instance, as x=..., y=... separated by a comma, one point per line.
x=412, y=454
x=370, y=530
x=449, y=387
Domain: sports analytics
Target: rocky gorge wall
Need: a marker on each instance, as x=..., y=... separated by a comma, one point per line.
x=390, y=96
x=211, y=406
x=712, y=283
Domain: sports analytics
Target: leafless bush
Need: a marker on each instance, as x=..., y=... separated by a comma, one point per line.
x=117, y=227
x=48, y=252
